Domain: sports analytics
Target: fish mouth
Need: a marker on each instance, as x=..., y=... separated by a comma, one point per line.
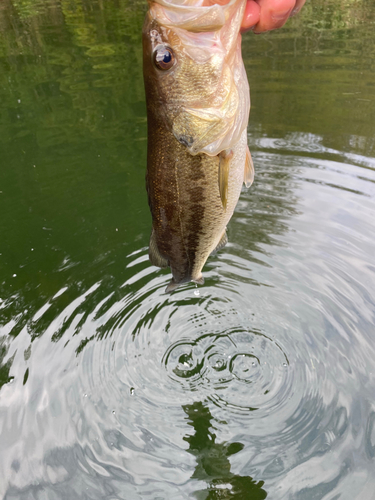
x=193, y=16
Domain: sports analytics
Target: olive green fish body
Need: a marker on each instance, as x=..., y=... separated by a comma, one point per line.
x=189, y=219
x=197, y=111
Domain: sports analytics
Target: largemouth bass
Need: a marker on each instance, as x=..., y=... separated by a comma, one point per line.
x=198, y=106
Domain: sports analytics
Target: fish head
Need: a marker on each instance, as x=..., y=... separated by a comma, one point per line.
x=196, y=84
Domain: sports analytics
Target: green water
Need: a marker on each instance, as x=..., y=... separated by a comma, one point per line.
x=259, y=384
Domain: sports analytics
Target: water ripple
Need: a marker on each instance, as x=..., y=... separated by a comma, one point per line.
x=278, y=353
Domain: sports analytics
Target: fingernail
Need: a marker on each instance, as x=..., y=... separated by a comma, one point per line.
x=244, y=30
x=280, y=16
x=295, y=11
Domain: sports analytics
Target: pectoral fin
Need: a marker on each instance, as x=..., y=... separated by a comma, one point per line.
x=249, y=169
x=223, y=241
x=154, y=255
x=224, y=163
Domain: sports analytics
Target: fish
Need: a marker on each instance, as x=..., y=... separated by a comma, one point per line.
x=198, y=105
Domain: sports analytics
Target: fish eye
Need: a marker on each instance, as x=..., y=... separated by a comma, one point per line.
x=164, y=57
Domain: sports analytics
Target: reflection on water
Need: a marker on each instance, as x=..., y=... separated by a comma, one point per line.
x=258, y=384
x=213, y=464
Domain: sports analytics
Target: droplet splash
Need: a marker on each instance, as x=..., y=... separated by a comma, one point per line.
x=227, y=365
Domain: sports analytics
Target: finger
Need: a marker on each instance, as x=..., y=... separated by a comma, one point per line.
x=251, y=16
x=273, y=14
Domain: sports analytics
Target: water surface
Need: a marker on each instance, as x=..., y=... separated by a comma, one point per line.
x=259, y=384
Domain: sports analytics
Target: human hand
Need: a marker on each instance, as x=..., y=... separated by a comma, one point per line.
x=266, y=15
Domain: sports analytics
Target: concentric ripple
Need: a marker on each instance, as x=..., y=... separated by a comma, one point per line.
x=244, y=369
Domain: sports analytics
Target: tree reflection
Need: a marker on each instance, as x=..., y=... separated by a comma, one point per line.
x=213, y=465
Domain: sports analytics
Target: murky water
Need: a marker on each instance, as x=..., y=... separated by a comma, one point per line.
x=259, y=384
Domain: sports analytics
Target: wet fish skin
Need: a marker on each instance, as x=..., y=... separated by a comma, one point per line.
x=188, y=210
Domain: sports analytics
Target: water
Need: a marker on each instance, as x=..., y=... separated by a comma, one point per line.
x=259, y=384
